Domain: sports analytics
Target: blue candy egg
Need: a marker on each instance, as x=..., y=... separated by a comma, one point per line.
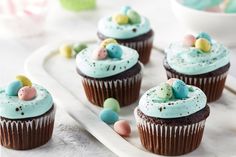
x=180, y=89
x=125, y=9
x=13, y=88
x=114, y=50
x=108, y=116
x=204, y=35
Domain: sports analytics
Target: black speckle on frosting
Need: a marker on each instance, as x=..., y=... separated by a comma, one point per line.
x=134, y=30
x=22, y=113
x=17, y=109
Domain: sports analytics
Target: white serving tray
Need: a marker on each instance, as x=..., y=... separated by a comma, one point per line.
x=58, y=75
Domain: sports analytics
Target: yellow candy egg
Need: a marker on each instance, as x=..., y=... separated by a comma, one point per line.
x=203, y=44
x=24, y=80
x=66, y=50
x=108, y=41
x=120, y=19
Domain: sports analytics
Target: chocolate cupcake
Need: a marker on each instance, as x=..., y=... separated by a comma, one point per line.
x=171, y=118
x=26, y=115
x=199, y=61
x=129, y=29
x=110, y=70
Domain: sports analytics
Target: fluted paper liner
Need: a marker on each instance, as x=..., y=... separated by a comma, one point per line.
x=126, y=90
x=170, y=140
x=28, y=133
x=211, y=86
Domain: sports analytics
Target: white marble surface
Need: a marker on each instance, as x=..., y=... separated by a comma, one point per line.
x=69, y=138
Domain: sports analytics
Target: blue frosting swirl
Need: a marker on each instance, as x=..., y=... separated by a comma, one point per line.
x=150, y=105
x=110, y=29
x=107, y=67
x=190, y=61
x=12, y=107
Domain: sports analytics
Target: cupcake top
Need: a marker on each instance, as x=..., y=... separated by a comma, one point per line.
x=20, y=99
x=172, y=99
x=125, y=24
x=106, y=60
x=197, y=55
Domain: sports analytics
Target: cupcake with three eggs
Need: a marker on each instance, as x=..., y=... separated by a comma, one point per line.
x=26, y=115
x=110, y=70
x=199, y=61
x=171, y=118
x=129, y=29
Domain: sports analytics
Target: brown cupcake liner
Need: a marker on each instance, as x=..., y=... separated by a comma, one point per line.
x=126, y=90
x=27, y=133
x=170, y=140
x=142, y=45
x=212, y=86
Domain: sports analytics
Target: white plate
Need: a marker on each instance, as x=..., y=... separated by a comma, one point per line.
x=58, y=75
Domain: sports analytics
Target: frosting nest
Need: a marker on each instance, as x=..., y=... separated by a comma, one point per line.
x=14, y=108
x=192, y=60
x=108, y=66
x=174, y=108
x=125, y=24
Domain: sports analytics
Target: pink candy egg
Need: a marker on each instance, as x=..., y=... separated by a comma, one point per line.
x=99, y=53
x=27, y=93
x=122, y=127
x=189, y=40
x=170, y=81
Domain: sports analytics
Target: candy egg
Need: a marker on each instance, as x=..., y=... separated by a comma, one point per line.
x=114, y=51
x=79, y=47
x=125, y=9
x=123, y=128
x=13, y=88
x=180, y=89
x=27, y=93
x=108, y=41
x=108, y=116
x=120, y=19
x=205, y=36
x=112, y=103
x=170, y=81
x=24, y=80
x=203, y=45
x=164, y=91
x=134, y=17
x=66, y=50
x=189, y=40
x=99, y=53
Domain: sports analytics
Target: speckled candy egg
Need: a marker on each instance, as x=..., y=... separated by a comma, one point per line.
x=189, y=40
x=125, y=9
x=164, y=91
x=66, y=50
x=27, y=93
x=108, y=116
x=180, y=89
x=108, y=41
x=24, y=80
x=123, y=128
x=120, y=19
x=13, y=88
x=99, y=54
x=170, y=81
x=112, y=103
x=114, y=51
x=203, y=45
x=79, y=47
x=205, y=36
x=134, y=17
